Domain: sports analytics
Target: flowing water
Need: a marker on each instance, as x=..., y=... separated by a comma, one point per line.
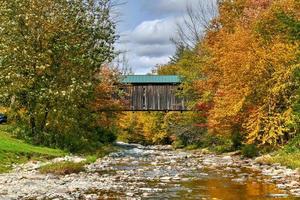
x=155, y=172
x=161, y=173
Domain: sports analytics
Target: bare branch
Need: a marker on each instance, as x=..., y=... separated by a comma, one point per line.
x=196, y=21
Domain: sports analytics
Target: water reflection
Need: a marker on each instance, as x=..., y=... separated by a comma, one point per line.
x=193, y=183
x=215, y=187
x=222, y=188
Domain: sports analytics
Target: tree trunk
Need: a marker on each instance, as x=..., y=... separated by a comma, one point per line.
x=44, y=121
x=32, y=125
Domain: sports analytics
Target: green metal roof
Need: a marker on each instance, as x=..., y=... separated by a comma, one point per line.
x=129, y=79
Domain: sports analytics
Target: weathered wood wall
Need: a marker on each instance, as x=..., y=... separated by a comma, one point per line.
x=154, y=97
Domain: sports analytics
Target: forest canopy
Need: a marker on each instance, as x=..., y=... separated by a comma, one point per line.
x=245, y=69
x=51, y=55
x=239, y=60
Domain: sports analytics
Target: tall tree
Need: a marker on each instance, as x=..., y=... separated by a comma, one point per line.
x=49, y=53
x=250, y=73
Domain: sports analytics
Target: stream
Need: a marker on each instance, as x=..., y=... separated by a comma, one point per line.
x=156, y=172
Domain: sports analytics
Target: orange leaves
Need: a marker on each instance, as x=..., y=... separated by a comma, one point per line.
x=271, y=128
x=250, y=79
x=203, y=106
x=235, y=59
x=107, y=97
x=255, y=7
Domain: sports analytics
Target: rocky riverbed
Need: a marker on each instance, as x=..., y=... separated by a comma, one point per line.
x=155, y=172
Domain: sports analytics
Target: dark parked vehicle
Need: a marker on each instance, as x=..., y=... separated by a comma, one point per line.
x=3, y=118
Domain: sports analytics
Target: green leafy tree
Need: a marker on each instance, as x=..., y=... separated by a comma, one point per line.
x=50, y=51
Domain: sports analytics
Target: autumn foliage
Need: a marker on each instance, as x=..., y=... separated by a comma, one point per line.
x=243, y=75
x=251, y=74
x=108, y=97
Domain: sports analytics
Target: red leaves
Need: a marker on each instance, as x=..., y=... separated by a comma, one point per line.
x=203, y=125
x=204, y=106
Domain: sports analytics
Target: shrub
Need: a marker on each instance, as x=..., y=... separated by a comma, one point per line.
x=289, y=155
x=91, y=159
x=216, y=142
x=189, y=135
x=74, y=140
x=223, y=148
x=250, y=151
x=105, y=136
x=191, y=147
x=177, y=144
x=293, y=146
x=237, y=140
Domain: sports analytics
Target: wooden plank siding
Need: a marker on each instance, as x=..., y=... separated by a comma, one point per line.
x=153, y=97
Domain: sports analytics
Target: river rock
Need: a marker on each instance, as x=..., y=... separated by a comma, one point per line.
x=140, y=171
x=278, y=195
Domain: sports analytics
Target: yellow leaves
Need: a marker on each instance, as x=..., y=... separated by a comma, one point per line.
x=250, y=77
x=106, y=89
x=169, y=69
x=237, y=73
x=147, y=127
x=291, y=6
x=271, y=128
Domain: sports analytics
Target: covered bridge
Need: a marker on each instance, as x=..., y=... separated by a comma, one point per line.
x=153, y=93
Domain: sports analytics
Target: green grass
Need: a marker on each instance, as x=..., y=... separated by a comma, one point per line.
x=17, y=151
x=291, y=160
x=288, y=156
x=91, y=159
x=63, y=168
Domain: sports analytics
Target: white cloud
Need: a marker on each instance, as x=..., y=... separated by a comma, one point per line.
x=149, y=44
x=154, y=32
x=155, y=50
x=146, y=63
x=151, y=32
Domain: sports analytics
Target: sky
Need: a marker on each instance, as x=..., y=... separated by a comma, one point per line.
x=145, y=29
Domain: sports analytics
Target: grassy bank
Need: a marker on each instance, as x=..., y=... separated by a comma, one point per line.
x=288, y=156
x=291, y=160
x=14, y=151
x=17, y=151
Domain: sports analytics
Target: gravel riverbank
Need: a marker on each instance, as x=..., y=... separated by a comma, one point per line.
x=155, y=172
